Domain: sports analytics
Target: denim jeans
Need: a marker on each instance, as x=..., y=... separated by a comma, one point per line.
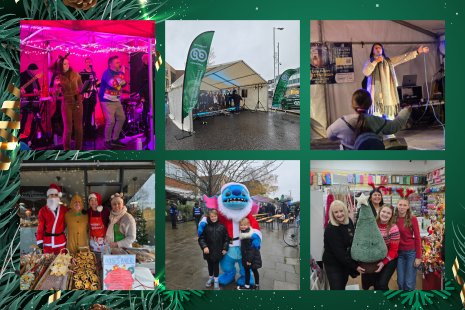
x=406, y=270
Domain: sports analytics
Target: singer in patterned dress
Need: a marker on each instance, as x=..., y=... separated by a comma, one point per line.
x=382, y=81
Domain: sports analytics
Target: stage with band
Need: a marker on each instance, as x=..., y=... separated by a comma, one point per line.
x=87, y=86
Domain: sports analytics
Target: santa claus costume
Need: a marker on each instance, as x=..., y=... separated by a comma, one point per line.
x=230, y=218
x=50, y=231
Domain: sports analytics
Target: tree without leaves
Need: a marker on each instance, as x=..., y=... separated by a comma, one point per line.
x=207, y=176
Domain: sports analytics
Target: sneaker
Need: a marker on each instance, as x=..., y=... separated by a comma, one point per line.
x=216, y=286
x=117, y=143
x=256, y=287
x=243, y=288
x=108, y=145
x=209, y=282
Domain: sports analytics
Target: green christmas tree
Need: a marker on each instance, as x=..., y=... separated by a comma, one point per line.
x=368, y=245
x=141, y=226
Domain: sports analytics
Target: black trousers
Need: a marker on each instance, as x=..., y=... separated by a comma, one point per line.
x=88, y=109
x=197, y=220
x=173, y=219
x=256, y=277
x=381, y=280
x=213, y=269
x=338, y=276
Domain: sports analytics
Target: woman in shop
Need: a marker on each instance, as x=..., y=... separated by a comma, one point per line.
x=121, y=232
x=69, y=83
x=375, y=200
x=382, y=81
x=349, y=127
x=99, y=217
x=77, y=223
x=338, y=237
x=391, y=235
x=409, y=246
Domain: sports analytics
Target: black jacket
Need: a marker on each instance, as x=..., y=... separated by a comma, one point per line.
x=249, y=253
x=215, y=237
x=372, y=210
x=337, y=244
x=297, y=211
x=284, y=209
x=24, y=77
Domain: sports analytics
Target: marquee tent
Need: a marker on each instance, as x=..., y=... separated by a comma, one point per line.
x=237, y=74
x=43, y=40
x=332, y=101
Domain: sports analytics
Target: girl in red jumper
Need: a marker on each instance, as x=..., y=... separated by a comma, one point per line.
x=409, y=247
x=390, y=233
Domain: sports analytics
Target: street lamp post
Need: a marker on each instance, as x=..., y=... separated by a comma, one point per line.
x=274, y=56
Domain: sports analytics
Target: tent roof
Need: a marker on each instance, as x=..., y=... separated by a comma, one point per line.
x=232, y=74
x=139, y=28
x=435, y=26
x=91, y=34
x=261, y=198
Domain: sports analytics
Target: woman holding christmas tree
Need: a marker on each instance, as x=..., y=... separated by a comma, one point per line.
x=409, y=247
x=99, y=218
x=390, y=233
x=338, y=237
x=121, y=232
x=375, y=200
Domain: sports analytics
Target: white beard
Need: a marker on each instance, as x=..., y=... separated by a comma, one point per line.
x=52, y=203
x=234, y=215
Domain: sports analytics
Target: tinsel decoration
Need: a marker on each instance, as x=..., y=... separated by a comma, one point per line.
x=455, y=270
x=80, y=4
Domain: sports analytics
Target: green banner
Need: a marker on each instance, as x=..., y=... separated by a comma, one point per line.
x=195, y=70
x=282, y=87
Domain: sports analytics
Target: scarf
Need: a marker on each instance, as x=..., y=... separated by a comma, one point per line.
x=382, y=104
x=35, y=85
x=114, y=218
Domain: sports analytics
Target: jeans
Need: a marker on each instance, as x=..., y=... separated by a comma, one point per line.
x=381, y=280
x=115, y=118
x=406, y=271
x=237, y=105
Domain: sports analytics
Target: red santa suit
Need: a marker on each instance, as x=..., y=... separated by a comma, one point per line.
x=52, y=223
x=233, y=227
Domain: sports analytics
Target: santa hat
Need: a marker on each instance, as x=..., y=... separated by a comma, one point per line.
x=28, y=211
x=54, y=189
x=99, y=200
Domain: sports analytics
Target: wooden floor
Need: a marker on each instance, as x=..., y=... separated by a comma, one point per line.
x=392, y=283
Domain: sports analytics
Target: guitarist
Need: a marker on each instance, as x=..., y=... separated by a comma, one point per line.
x=28, y=75
x=32, y=88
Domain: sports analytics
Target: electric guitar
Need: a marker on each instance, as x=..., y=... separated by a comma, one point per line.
x=37, y=76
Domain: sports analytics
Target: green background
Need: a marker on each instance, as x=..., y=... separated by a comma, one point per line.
x=306, y=11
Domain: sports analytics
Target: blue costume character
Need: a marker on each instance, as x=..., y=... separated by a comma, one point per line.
x=233, y=204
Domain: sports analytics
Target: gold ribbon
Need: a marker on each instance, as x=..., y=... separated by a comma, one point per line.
x=455, y=269
x=54, y=297
x=159, y=60
x=7, y=109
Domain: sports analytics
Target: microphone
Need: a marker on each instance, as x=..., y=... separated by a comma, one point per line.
x=381, y=54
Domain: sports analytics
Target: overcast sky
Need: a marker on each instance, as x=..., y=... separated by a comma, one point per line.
x=288, y=179
x=251, y=41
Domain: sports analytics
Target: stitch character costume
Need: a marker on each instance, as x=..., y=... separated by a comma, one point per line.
x=233, y=204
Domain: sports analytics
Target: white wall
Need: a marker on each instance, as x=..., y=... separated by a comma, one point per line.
x=377, y=166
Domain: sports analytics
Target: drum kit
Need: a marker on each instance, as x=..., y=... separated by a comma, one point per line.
x=132, y=107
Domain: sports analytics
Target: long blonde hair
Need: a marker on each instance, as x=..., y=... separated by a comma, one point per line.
x=408, y=215
x=332, y=219
x=391, y=220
